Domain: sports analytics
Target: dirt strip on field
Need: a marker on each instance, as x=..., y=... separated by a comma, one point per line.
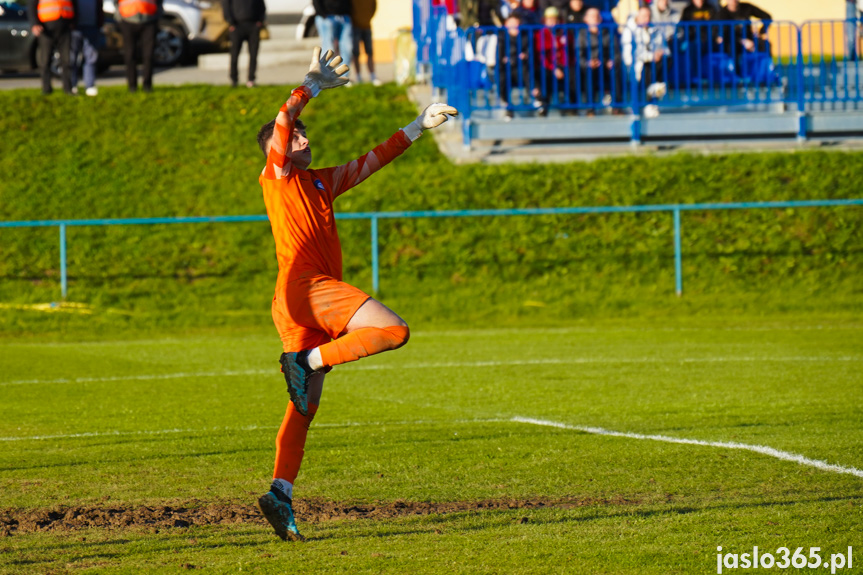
x=190, y=513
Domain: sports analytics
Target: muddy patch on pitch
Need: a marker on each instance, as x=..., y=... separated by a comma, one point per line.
x=190, y=513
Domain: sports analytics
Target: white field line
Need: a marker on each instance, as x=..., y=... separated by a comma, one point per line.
x=762, y=449
x=435, y=365
x=239, y=429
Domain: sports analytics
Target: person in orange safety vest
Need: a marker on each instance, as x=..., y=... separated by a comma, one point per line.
x=139, y=22
x=52, y=22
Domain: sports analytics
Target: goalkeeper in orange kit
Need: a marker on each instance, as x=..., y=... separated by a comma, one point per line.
x=321, y=320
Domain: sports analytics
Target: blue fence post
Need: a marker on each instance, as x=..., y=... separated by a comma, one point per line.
x=375, y=277
x=634, y=83
x=801, y=89
x=63, y=283
x=678, y=258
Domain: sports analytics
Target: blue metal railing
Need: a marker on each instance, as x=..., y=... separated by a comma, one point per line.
x=374, y=217
x=750, y=65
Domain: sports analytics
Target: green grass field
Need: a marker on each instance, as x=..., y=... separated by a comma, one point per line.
x=189, y=422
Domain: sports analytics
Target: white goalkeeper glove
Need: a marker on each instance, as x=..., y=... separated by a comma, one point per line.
x=432, y=117
x=325, y=72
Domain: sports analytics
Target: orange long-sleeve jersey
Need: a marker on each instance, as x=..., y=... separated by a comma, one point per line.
x=300, y=202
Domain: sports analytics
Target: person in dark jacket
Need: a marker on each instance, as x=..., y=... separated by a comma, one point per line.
x=528, y=13
x=138, y=21
x=52, y=22
x=740, y=36
x=513, y=70
x=599, y=58
x=333, y=21
x=574, y=11
x=701, y=36
x=245, y=19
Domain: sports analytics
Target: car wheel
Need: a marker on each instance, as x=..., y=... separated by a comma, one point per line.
x=171, y=45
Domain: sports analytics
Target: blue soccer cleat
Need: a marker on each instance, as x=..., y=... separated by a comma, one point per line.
x=297, y=377
x=277, y=509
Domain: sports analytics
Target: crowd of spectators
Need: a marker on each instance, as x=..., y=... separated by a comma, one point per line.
x=588, y=66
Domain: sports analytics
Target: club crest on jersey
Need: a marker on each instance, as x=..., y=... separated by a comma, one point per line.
x=319, y=185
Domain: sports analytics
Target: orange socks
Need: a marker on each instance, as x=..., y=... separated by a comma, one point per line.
x=362, y=343
x=291, y=441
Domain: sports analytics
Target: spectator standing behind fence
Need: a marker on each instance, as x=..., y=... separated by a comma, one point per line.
x=333, y=21
x=245, y=19
x=551, y=54
x=666, y=16
x=527, y=12
x=52, y=22
x=139, y=22
x=86, y=40
x=361, y=20
x=513, y=70
x=599, y=60
x=644, y=49
x=574, y=12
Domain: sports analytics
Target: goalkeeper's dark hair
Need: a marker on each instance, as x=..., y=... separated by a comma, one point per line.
x=266, y=132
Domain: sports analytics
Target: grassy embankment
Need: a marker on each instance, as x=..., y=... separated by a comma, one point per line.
x=191, y=151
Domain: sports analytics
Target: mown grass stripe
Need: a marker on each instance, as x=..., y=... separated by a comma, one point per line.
x=89, y=434
x=440, y=365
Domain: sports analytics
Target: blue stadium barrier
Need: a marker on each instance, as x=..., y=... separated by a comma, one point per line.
x=757, y=66
x=374, y=217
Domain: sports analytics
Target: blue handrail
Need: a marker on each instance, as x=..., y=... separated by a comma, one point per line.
x=373, y=218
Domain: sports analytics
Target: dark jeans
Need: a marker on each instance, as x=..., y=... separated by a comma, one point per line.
x=86, y=40
x=595, y=82
x=518, y=78
x=248, y=32
x=653, y=72
x=56, y=35
x=549, y=85
x=133, y=36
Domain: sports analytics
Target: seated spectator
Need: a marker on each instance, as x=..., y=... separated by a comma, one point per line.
x=700, y=37
x=551, y=53
x=512, y=55
x=599, y=59
x=574, y=12
x=644, y=49
x=663, y=14
x=751, y=51
x=527, y=12
x=740, y=38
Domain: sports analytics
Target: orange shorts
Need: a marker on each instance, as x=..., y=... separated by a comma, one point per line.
x=313, y=310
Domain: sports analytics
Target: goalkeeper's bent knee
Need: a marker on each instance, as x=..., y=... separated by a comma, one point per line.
x=363, y=343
